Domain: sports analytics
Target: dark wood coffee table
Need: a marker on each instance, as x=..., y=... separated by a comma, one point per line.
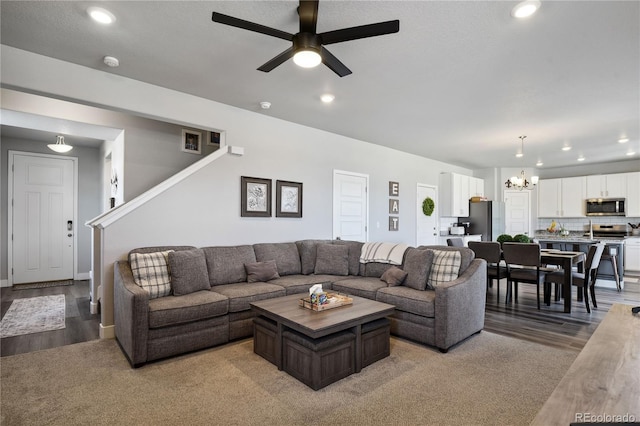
x=286, y=313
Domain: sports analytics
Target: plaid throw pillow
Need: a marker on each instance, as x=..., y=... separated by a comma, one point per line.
x=445, y=267
x=151, y=272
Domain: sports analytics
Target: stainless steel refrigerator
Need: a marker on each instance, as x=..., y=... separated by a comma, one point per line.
x=486, y=218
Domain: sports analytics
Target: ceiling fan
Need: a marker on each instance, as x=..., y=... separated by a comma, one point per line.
x=308, y=46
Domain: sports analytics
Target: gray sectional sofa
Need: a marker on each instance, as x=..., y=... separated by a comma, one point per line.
x=209, y=303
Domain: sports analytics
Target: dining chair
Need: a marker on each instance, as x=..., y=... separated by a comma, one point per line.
x=490, y=251
x=523, y=266
x=455, y=242
x=587, y=279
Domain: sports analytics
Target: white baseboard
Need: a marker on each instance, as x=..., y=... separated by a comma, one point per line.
x=609, y=283
x=4, y=283
x=83, y=276
x=108, y=332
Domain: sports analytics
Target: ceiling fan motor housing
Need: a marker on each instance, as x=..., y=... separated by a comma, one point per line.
x=307, y=41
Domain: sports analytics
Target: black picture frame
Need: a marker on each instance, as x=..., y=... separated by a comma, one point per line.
x=255, y=199
x=288, y=199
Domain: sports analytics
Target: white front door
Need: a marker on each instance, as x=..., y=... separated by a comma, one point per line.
x=350, y=206
x=426, y=226
x=42, y=218
x=517, y=212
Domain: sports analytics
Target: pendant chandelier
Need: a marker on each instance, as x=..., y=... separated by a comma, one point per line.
x=60, y=146
x=521, y=182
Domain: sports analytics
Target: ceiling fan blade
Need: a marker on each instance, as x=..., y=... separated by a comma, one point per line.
x=278, y=60
x=362, y=31
x=251, y=26
x=308, y=12
x=334, y=63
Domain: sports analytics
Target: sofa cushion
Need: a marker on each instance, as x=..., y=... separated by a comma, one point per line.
x=226, y=264
x=374, y=269
x=332, y=259
x=419, y=302
x=151, y=272
x=355, y=249
x=242, y=294
x=307, y=250
x=417, y=264
x=188, y=271
x=394, y=276
x=467, y=255
x=445, y=267
x=173, y=310
x=285, y=254
x=261, y=271
x=359, y=286
x=295, y=284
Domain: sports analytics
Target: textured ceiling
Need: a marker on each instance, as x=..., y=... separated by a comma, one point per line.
x=459, y=83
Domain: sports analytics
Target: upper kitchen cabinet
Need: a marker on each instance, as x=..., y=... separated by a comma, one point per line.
x=633, y=194
x=455, y=191
x=607, y=186
x=562, y=197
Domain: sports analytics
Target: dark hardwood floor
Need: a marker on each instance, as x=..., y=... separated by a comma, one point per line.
x=549, y=326
x=80, y=325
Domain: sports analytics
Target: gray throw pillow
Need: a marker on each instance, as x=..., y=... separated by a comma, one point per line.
x=188, y=271
x=394, y=276
x=332, y=259
x=261, y=271
x=417, y=264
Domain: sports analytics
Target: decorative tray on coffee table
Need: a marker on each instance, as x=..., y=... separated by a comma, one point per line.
x=333, y=300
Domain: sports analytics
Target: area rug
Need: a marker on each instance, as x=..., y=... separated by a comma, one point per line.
x=487, y=380
x=45, y=284
x=33, y=315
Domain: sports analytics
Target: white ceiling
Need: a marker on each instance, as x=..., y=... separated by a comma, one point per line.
x=459, y=83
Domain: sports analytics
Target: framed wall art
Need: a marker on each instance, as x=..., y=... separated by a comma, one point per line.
x=255, y=197
x=288, y=199
x=191, y=141
x=214, y=139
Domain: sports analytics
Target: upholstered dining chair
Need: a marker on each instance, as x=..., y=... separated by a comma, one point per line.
x=455, y=242
x=523, y=266
x=584, y=280
x=492, y=253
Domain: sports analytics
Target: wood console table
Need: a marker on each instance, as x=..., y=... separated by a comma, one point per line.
x=604, y=380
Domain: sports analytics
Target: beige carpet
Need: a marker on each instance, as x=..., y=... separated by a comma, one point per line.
x=489, y=379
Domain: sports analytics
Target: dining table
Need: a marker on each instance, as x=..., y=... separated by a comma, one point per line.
x=566, y=260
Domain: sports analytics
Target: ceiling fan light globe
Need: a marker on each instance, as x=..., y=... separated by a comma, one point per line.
x=307, y=58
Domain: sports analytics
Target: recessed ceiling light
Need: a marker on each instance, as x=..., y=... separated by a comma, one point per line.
x=566, y=148
x=519, y=155
x=623, y=140
x=525, y=8
x=327, y=98
x=265, y=105
x=630, y=153
x=539, y=164
x=581, y=158
x=111, y=61
x=101, y=15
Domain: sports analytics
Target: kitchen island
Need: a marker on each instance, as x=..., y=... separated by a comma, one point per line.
x=605, y=277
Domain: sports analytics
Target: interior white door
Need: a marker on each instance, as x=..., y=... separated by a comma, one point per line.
x=42, y=218
x=517, y=212
x=350, y=206
x=426, y=226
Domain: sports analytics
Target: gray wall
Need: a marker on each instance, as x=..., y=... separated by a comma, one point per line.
x=88, y=195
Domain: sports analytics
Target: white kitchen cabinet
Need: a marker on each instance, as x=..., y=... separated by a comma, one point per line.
x=561, y=197
x=454, y=195
x=632, y=254
x=633, y=194
x=476, y=187
x=607, y=186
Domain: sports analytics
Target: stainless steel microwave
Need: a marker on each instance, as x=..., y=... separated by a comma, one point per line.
x=606, y=207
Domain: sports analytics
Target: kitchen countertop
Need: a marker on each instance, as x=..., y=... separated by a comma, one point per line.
x=577, y=239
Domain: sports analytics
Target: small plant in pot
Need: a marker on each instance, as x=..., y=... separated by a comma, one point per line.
x=521, y=238
x=504, y=238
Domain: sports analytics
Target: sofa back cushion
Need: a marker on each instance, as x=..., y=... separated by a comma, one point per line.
x=188, y=271
x=226, y=264
x=332, y=259
x=355, y=249
x=307, y=250
x=374, y=269
x=285, y=254
x=466, y=254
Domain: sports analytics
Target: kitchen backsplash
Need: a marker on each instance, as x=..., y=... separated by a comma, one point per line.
x=578, y=224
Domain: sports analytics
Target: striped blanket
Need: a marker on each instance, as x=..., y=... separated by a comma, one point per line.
x=383, y=252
